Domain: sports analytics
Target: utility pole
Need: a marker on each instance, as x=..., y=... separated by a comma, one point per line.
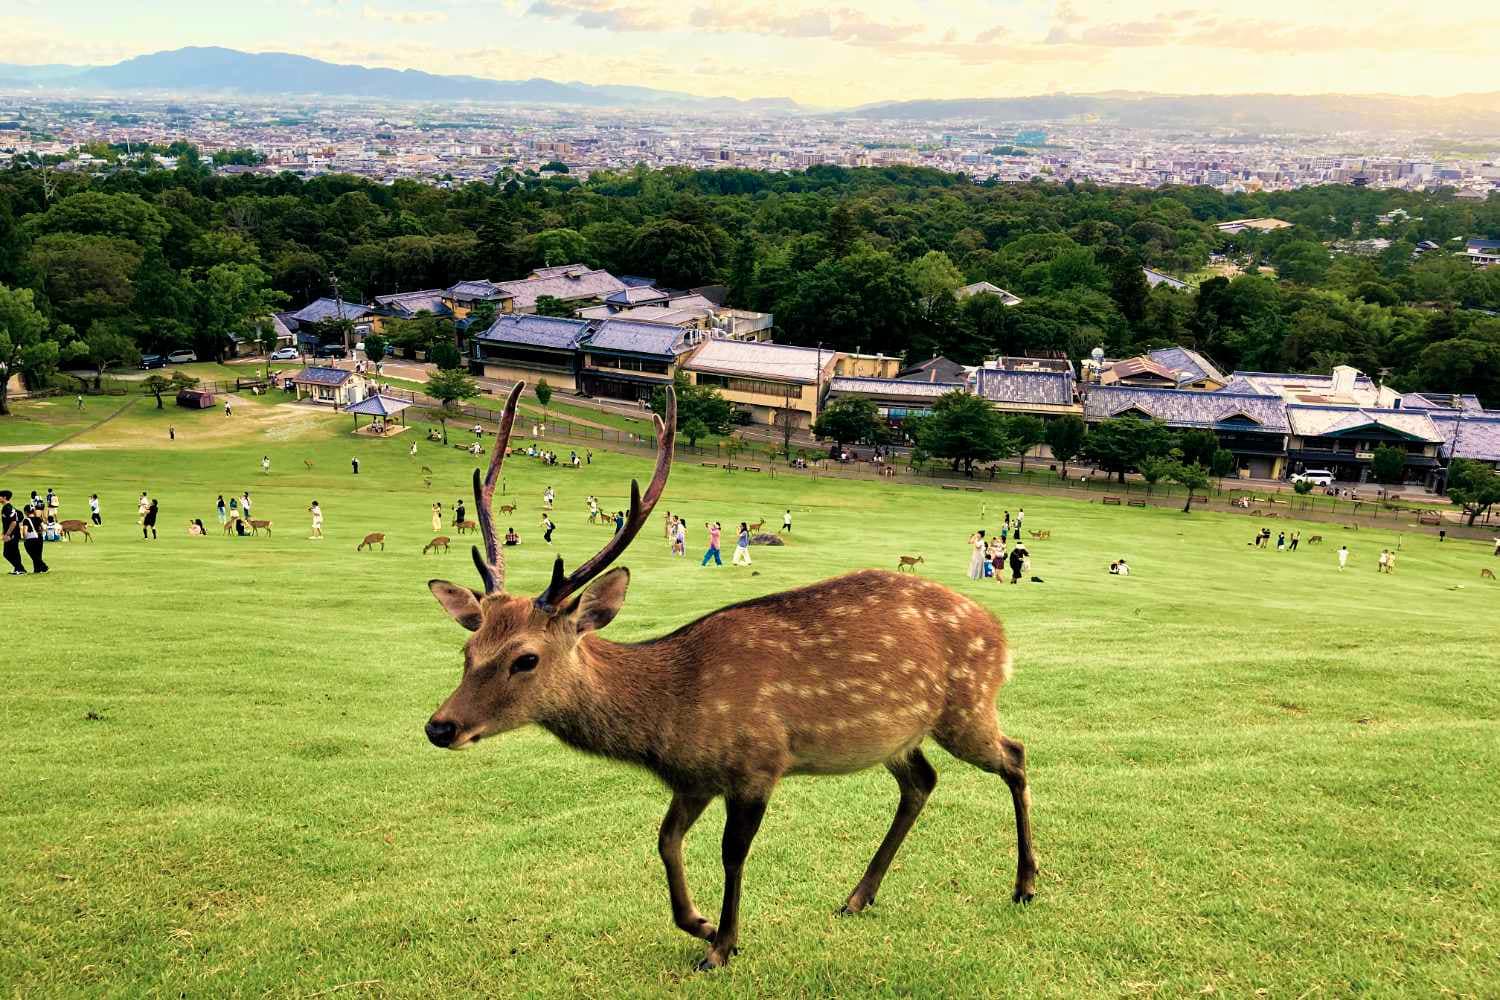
x=338, y=313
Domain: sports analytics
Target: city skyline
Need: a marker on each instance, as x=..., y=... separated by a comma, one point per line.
x=820, y=55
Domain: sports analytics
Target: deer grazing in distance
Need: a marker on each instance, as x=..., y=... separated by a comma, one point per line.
x=791, y=683
x=1315, y=540
x=440, y=542
x=256, y=526
x=1486, y=574
x=1042, y=535
x=69, y=526
x=908, y=563
x=371, y=540
x=464, y=526
x=307, y=463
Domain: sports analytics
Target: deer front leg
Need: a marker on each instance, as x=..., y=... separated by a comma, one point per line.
x=681, y=815
x=741, y=822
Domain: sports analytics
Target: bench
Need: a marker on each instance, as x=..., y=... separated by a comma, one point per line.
x=1429, y=517
x=750, y=468
x=1135, y=503
x=953, y=488
x=1200, y=499
x=974, y=489
x=709, y=465
x=1115, y=501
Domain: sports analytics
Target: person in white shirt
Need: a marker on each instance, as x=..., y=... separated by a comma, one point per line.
x=94, y=509
x=1124, y=567
x=786, y=522
x=1343, y=556
x=317, y=520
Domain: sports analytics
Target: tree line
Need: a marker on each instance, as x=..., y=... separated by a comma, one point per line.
x=146, y=259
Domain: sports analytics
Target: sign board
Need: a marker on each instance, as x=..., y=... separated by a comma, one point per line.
x=1365, y=456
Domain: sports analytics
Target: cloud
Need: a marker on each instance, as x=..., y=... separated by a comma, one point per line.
x=403, y=16
x=601, y=14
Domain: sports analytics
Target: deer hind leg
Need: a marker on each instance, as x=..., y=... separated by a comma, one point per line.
x=741, y=821
x=987, y=748
x=681, y=815
x=917, y=780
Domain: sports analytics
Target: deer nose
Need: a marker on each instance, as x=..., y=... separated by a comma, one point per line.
x=441, y=733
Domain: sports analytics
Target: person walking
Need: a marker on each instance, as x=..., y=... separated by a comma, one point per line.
x=977, y=557
x=412, y=451
x=1380, y=563
x=219, y=507
x=354, y=464
x=1343, y=557
x=997, y=560
x=742, y=547
x=548, y=496
x=245, y=504
x=547, y=527
x=619, y=521
x=1281, y=541
x=437, y=518
x=10, y=534
x=1020, y=516
x=714, y=531
x=265, y=465
x=1017, y=562
x=228, y=408
x=317, y=521
x=171, y=432
x=94, y=509
x=32, y=527
x=786, y=522
x=459, y=512
x=1292, y=545
x=80, y=400
x=1390, y=562
x=234, y=507
x=149, y=524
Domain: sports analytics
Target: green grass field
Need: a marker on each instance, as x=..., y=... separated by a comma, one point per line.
x=1253, y=776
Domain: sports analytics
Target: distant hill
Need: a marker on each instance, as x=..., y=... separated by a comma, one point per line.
x=220, y=70
x=1271, y=112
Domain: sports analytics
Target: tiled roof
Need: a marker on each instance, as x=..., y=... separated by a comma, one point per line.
x=891, y=387
x=1142, y=365
x=937, y=369
x=1041, y=388
x=1441, y=401
x=314, y=375
x=635, y=295
x=985, y=288
x=635, y=337
x=1182, y=359
x=377, y=405
x=473, y=291
x=568, y=287
x=1154, y=278
x=411, y=303
x=1472, y=437
x=552, y=272
x=1319, y=421
x=558, y=333
x=325, y=308
x=1189, y=408
x=759, y=360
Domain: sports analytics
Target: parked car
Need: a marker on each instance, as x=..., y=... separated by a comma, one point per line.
x=149, y=361
x=332, y=351
x=284, y=354
x=181, y=357
x=1318, y=477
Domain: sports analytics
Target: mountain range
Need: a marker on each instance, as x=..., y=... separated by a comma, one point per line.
x=265, y=74
x=221, y=71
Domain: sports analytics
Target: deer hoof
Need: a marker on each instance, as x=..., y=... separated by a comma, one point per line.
x=1022, y=896
x=855, y=905
x=716, y=959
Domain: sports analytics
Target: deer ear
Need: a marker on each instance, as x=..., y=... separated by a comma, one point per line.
x=597, y=606
x=461, y=603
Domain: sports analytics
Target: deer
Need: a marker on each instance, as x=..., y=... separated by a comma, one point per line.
x=440, y=542
x=371, y=540
x=794, y=682
x=70, y=526
x=1315, y=540
x=1486, y=574
x=307, y=464
x=1042, y=535
x=908, y=564
x=464, y=526
x=756, y=526
x=256, y=526
x=508, y=508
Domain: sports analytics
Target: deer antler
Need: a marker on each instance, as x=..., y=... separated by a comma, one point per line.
x=563, y=586
x=491, y=563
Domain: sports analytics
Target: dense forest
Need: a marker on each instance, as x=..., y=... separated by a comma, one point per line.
x=852, y=258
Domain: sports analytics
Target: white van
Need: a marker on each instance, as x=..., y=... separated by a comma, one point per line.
x=1318, y=477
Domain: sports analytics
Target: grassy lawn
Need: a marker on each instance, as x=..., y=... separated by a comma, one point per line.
x=1253, y=775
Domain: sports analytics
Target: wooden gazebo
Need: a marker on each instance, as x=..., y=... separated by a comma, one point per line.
x=380, y=409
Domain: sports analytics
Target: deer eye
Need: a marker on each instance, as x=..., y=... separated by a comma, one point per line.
x=523, y=663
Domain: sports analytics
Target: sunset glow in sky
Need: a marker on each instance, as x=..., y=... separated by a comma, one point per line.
x=843, y=52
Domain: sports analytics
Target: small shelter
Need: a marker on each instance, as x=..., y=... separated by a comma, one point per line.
x=330, y=385
x=380, y=409
x=195, y=399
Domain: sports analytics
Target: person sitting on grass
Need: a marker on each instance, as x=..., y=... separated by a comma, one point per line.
x=511, y=538
x=1123, y=567
x=1114, y=569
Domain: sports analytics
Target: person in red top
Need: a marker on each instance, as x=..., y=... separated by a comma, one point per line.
x=714, y=531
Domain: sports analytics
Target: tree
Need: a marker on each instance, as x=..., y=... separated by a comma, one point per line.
x=1221, y=464
x=543, y=393
x=1025, y=432
x=1156, y=468
x=786, y=424
x=100, y=349
x=848, y=421
x=24, y=343
x=551, y=305
x=1192, y=477
x=695, y=402
x=1065, y=439
x=450, y=387
x=1198, y=446
x=964, y=429
x=1474, y=486
x=155, y=385
x=375, y=347
x=231, y=299
x=693, y=430
x=1389, y=464
x=446, y=356
x=1120, y=444
x=678, y=254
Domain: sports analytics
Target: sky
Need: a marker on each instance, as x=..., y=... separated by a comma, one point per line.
x=838, y=53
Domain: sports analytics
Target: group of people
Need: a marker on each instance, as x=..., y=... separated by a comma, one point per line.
x=1283, y=542
x=989, y=557
x=237, y=510
x=26, y=528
